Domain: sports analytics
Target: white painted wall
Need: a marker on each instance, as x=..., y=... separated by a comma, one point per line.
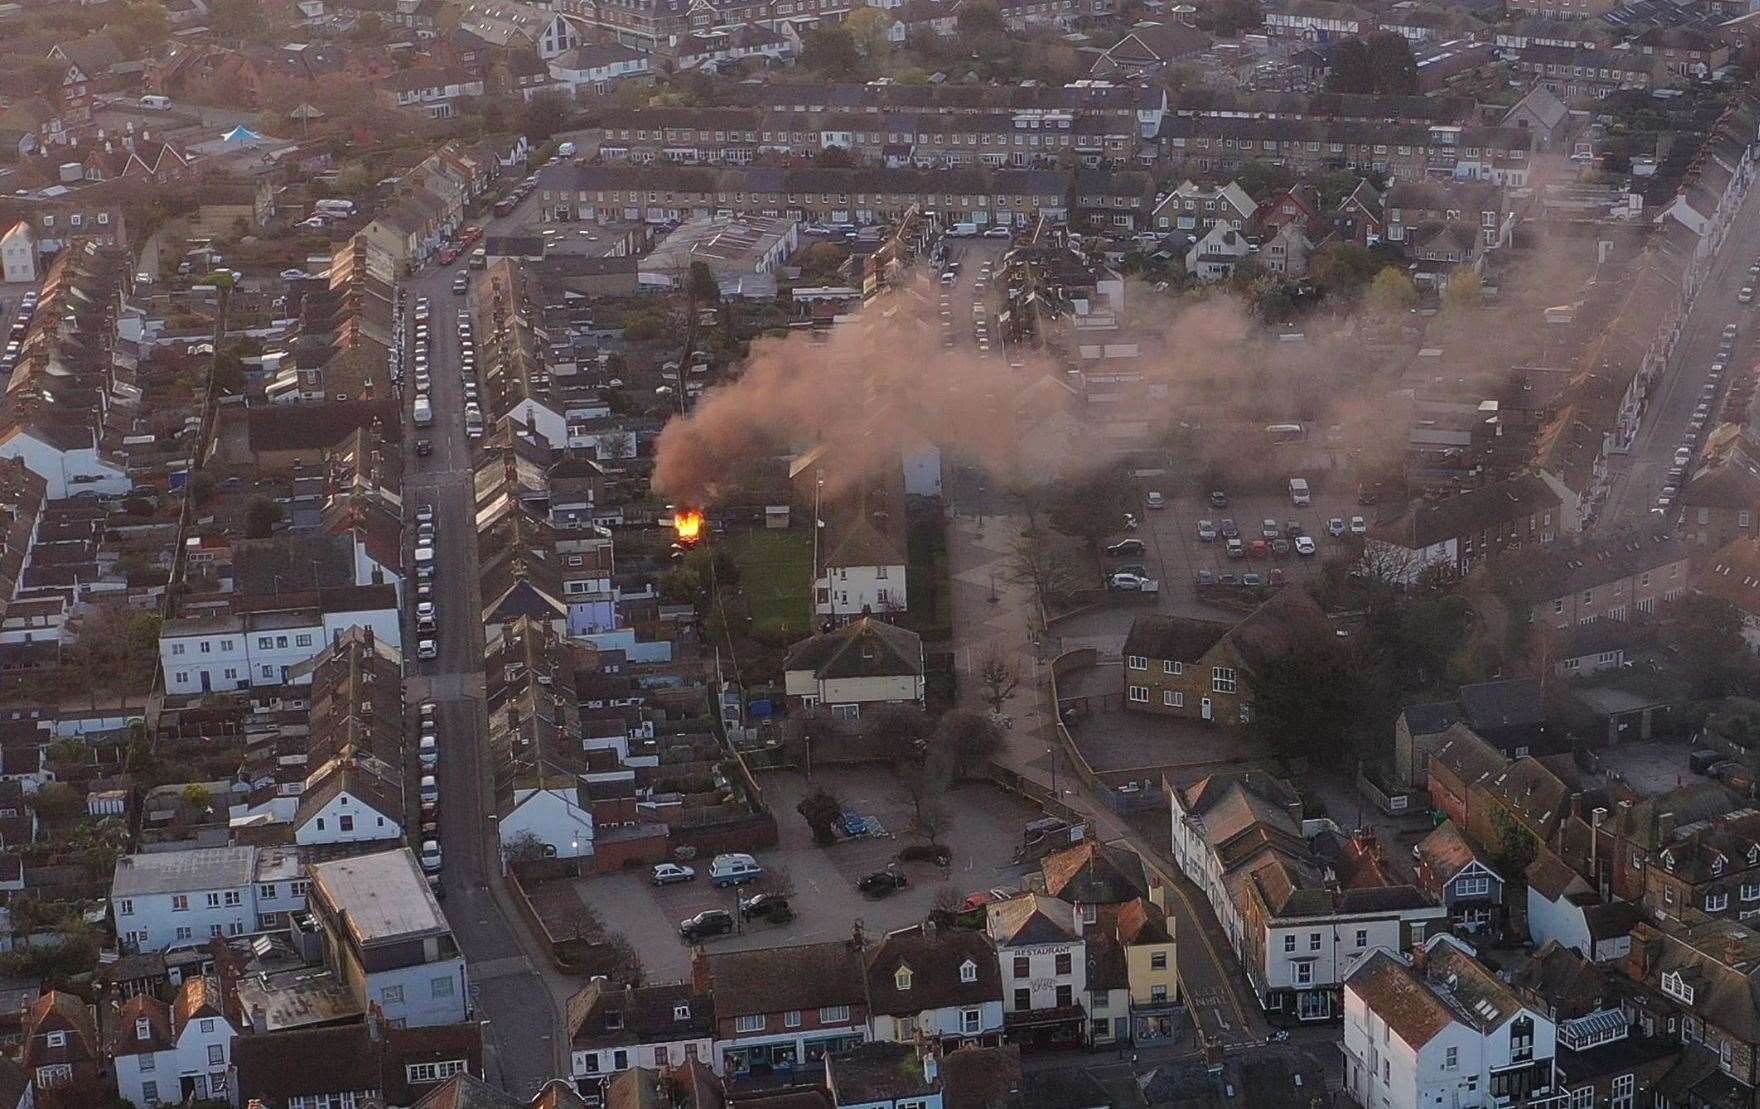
x=365, y=823
x=553, y=816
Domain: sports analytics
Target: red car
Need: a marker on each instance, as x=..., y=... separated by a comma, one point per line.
x=470, y=235
x=449, y=256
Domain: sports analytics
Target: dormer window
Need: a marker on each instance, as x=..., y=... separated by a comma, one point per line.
x=901, y=978
x=681, y=1012
x=1676, y=987
x=1668, y=860
x=613, y=1020
x=143, y=1028
x=56, y=1039
x=968, y=971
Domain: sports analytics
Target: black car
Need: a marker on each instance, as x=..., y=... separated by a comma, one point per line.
x=1218, y=499
x=709, y=922
x=424, y=448
x=1126, y=548
x=882, y=883
x=769, y=906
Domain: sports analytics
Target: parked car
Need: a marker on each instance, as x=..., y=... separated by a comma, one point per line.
x=1207, y=530
x=666, y=874
x=766, y=906
x=1305, y=545
x=1218, y=499
x=709, y=922
x=1126, y=548
x=431, y=856
x=1125, y=583
x=1359, y=526
x=1336, y=525
x=882, y=883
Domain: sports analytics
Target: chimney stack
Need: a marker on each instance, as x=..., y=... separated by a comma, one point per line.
x=1664, y=828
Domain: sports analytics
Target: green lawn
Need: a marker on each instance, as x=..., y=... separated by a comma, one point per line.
x=775, y=574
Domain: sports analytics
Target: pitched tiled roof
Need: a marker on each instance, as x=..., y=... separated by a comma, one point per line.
x=934, y=957
x=1092, y=873
x=783, y=979
x=864, y=648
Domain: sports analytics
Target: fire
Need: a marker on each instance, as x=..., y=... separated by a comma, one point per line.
x=688, y=525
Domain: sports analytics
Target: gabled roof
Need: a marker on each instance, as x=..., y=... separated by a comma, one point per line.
x=784, y=979
x=1447, y=852
x=933, y=957
x=1176, y=638
x=1031, y=918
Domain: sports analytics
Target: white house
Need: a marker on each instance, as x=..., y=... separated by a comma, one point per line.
x=868, y=662
x=65, y=456
x=862, y=557
x=556, y=815
x=940, y=984
x=1192, y=207
x=1441, y=1030
x=385, y=936
x=1562, y=906
x=597, y=66
x=1216, y=253
x=18, y=254
x=613, y=1028
x=167, y=1053
x=188, y=897
x=236, y=651
x=1239, y=837
x=357, y=799
x=1044, y=966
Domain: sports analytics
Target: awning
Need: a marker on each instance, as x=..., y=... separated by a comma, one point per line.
x=1039, y=1018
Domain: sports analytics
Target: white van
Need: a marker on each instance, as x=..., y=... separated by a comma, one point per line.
x=1298, y=492
x=155, y=103
x=334, y=207
x=423, y=411
x=429, y=752
x=734, y=870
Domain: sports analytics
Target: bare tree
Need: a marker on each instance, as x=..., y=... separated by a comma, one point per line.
x=776, y=880
x=1000, y=675
x=1040, y=564
x=925, y=784
x=625, y=961
x=947, y=898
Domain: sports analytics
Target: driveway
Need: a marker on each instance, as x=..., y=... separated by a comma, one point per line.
x=986, y=828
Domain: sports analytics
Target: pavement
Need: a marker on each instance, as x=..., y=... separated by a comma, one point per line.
x=1639, y=475
x=513, y=987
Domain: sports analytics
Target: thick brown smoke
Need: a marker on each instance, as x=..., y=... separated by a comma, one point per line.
x=1211, y=373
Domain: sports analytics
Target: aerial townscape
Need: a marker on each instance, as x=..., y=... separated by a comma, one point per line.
x=915, y=554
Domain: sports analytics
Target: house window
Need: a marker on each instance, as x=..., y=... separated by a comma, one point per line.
x=1289, y=943
x=392, y=995
x=1472, y=887
x=1304, y=974
x=1222, y=679
x=1139, y=694
x=1716, y=902
x=1171, y=667
x=179, y=903
x=902, y=978
x=57, y=1039
x=1173, y=698
x=1451, y=1058
x=418, y=1073
x=125, y=907
x=1138, y=662
x=748, y=1024
x=969, y=1021
x=216, y=1055
x=1021, y=966
x=1063, y=963
x=1362, y=937
x=1023, y=1000
x=834, y=1014
x=1313, y=941
x=792, y=1018
x=149, y=1090
x=968, y=971
x=1158, y=961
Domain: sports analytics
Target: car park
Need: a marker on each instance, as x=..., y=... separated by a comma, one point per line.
x=1252, y=578
x=666, y=874
x=709, y=922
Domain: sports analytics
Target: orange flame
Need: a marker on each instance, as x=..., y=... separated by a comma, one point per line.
x=688, y=525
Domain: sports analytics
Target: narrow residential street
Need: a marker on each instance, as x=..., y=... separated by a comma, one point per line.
x=507, y=984
x=1640, y=475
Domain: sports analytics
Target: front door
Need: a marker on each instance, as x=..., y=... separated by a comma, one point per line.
x=1204, y=707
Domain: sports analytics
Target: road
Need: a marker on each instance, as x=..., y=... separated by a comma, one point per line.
x=510, y=990
x=1639, y=480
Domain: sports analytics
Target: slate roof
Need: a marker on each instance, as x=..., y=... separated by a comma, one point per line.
x=784, y=979
x=1447, y=852
x=1179, y=638
x=866, y=647
x=934, y=956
